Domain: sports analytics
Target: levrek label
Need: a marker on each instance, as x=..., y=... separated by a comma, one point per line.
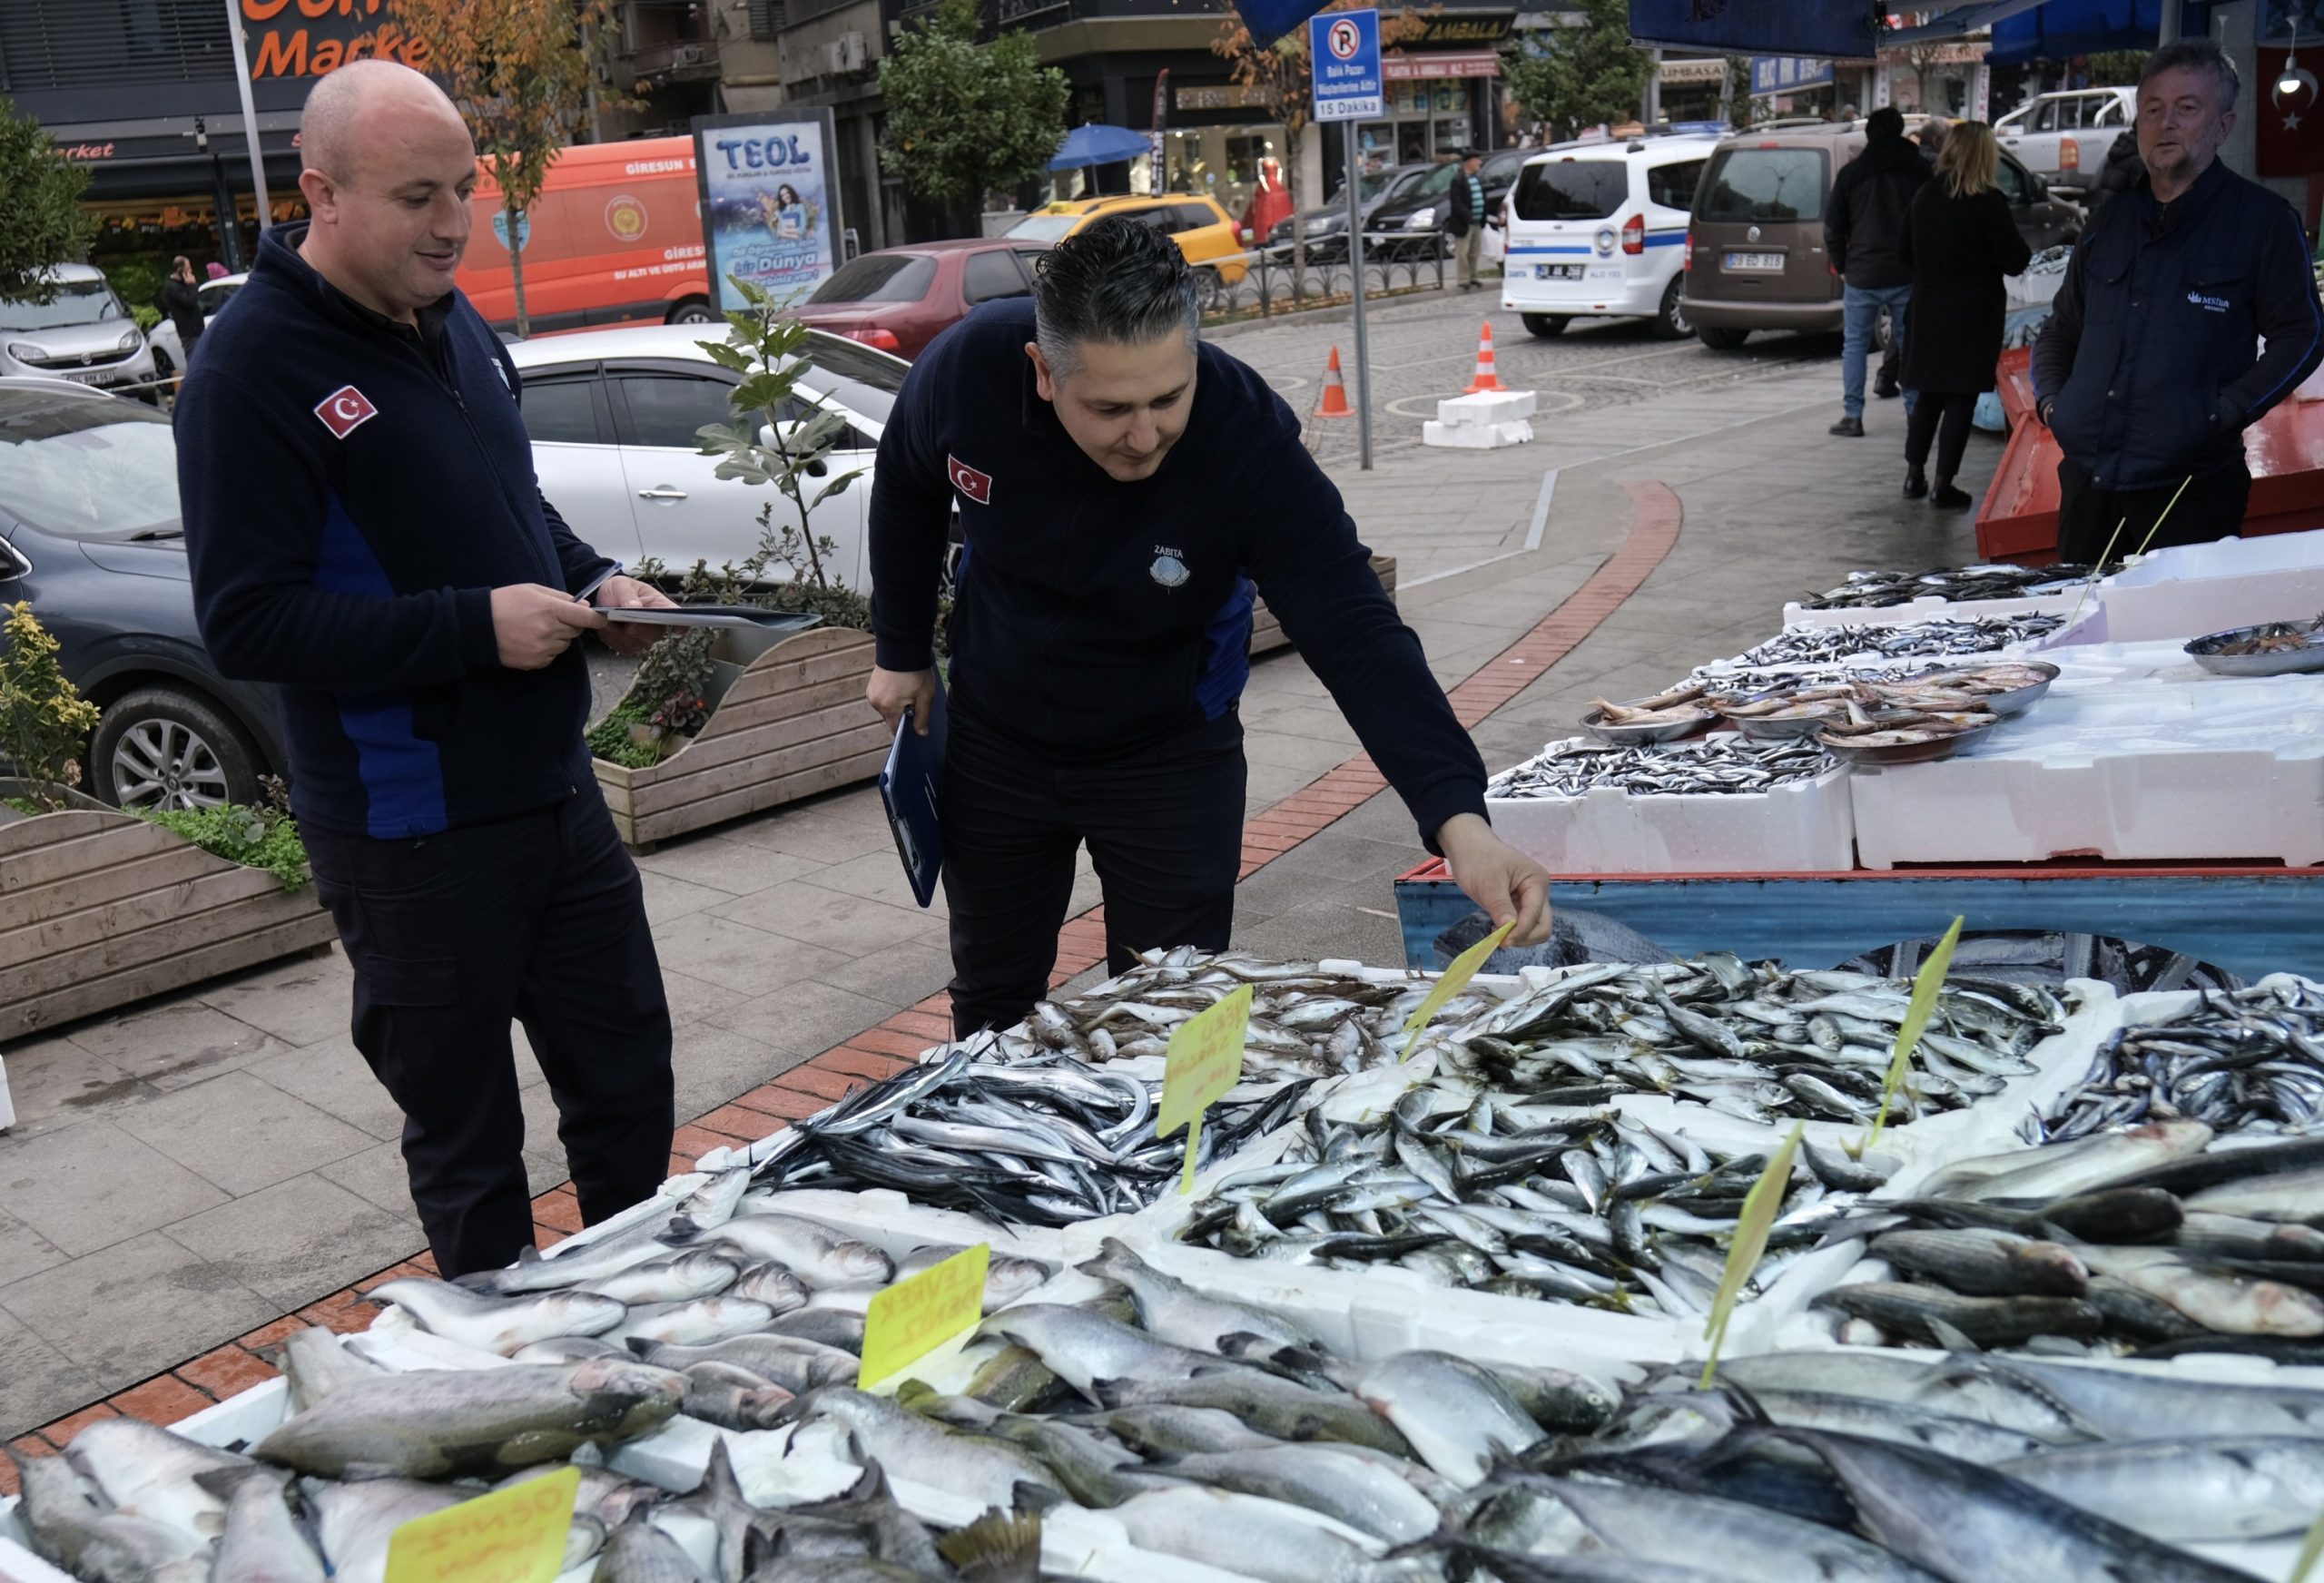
x=345, y=410
x=976, y=486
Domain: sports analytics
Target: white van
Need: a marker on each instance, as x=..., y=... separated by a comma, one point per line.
x=1599, y=228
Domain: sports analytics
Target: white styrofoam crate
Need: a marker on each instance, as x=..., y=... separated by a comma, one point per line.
x=1800, y=826
x=2191, y=590
x=2162, y=770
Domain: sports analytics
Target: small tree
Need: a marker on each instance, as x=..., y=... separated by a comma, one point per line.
x=965, y=119
x=1281, y=80
x=520, y=70
x=1573, y=77
x=43, y=718
x=2115, y=68
x=41, y=221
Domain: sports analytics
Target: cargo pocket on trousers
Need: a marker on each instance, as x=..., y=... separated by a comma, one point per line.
x=392, y=982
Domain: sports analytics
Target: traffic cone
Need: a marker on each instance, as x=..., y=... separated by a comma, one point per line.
x=1334, y=391
x=1486, y=378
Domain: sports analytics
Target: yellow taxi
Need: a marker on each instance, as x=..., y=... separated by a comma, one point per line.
x=1204, y=232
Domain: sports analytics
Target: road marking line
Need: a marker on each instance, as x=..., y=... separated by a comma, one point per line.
x=1541, y=509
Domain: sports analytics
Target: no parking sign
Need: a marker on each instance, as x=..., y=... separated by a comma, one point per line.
x=1343, y=53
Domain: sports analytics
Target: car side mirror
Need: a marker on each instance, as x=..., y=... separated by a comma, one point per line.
x=12, y=564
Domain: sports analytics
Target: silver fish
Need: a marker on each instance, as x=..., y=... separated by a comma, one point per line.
x=823, y=1258
x=1460, y=1421
x=678, y=1279
x=498, y=1324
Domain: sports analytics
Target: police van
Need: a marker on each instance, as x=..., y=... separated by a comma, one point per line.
x=1599, y=228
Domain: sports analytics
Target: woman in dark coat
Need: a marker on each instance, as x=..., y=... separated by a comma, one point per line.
x=1959, y=240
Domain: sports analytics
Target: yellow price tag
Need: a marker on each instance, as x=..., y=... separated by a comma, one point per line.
x=1456, y=977
x=912, y=1318
x=1204, y=1061
x=1751, y=1229
x=1926, y=985
x=515, y=1535
x=2308, y=1552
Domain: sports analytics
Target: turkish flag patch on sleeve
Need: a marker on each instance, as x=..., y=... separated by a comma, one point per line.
x=345, y=410
x=976, y=486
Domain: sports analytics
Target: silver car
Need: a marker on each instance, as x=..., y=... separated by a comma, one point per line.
x=82, y=333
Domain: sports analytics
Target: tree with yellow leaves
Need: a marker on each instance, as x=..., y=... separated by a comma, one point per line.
x=519, y=71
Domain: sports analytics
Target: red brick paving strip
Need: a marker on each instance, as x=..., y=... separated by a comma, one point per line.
x=888, y=1046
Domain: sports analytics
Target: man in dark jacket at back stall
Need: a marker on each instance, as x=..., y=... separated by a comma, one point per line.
x=1862, y=222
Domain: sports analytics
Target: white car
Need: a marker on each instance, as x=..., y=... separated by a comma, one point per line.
x=81, y=333
x=1599, y=228
x=613, y=415
x=2063, y=137
x=169, y=351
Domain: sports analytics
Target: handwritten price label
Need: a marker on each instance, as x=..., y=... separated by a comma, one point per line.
x=912, y=1318
x=1456, y=977
x=511, y=1536
x=1204, y=1061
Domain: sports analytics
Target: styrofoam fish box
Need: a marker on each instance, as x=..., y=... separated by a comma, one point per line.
x=2166, y=770
x=2192, y=590
x=1804, y=826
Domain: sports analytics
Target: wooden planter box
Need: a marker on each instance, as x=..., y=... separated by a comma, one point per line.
x=98, y=909
x=1266, y=632
x=793, y=724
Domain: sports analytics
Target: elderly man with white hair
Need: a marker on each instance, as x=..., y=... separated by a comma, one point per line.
x=366, y=533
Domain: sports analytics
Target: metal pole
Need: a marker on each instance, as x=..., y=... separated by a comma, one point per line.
x=250, y=119
x=1356, y=259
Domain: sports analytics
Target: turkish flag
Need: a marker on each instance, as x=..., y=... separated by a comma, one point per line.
x=2289, y=136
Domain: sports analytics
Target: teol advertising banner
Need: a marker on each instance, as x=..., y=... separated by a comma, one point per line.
x=769, y=201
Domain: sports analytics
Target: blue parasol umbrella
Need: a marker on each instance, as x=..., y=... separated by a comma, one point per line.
x=1100, y=145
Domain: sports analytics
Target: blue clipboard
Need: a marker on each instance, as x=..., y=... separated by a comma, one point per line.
x=910, y=788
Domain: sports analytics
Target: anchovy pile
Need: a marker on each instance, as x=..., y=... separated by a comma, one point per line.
x=2237, y=1059
x=1043, y=1141
x=1706, y=766
x=1749, y=1040
x=1304, y=1022
x=1478, y=1191
x=2148, y=1239
x=1959, y=585
x=1809, y=645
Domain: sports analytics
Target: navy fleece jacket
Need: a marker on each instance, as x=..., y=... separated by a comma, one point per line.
x=1093, y=617
x=353, y=492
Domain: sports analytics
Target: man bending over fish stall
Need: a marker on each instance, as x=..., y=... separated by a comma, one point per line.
x=1121, y=488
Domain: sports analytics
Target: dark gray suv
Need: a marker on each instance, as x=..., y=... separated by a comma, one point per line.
x=90, y=535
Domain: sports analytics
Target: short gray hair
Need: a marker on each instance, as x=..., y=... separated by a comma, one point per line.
x=1118, y=281
x=2197, y=53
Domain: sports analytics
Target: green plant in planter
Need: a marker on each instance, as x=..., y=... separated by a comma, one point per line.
x=43, y=718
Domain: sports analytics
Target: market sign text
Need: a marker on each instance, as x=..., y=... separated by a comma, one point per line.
x=297, y=38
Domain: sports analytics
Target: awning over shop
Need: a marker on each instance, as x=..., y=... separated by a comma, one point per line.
x=2056, y=30
x=1840, y=29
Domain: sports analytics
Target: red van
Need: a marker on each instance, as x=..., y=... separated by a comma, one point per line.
x=615, y=235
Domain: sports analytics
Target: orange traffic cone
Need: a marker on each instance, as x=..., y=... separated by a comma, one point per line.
x=1334, y=391
x=1486, y=378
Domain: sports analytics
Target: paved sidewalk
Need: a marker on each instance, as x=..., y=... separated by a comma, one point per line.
x=182, y=1176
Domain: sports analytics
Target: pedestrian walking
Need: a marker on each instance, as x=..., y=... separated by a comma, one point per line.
x=1468, y=220
x=2149, y=371
x=366, y=531
x=1959, y=240
x=1862, y=222
x=1121, y=488
x=181, y=304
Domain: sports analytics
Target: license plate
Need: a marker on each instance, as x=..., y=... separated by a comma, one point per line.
x=1557, y=271
x=1768, y=261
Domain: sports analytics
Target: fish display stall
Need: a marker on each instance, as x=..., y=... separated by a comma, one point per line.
x=1813, y=645
x=1952, y=585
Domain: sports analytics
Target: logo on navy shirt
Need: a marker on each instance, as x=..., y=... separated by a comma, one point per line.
x=1167, y=569
x=2210, y=304
x=345, y=410
x=976, y=486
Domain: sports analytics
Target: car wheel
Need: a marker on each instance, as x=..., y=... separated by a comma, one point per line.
x=1546, y=324
x=1670, y=320
x=1721, y=337
x=164, y=371
x=1210, y=291
x=692, y=310
x=165, y=747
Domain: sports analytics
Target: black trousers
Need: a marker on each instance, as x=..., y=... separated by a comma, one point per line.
x=2211, y=509
x=540, y=918
x=1165, y=830
x=1956, y=409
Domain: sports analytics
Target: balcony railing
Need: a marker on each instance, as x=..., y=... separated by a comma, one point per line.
x=693, y=60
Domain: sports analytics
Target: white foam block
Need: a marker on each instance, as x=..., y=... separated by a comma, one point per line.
x=1486, y=406
x=1475, y=437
